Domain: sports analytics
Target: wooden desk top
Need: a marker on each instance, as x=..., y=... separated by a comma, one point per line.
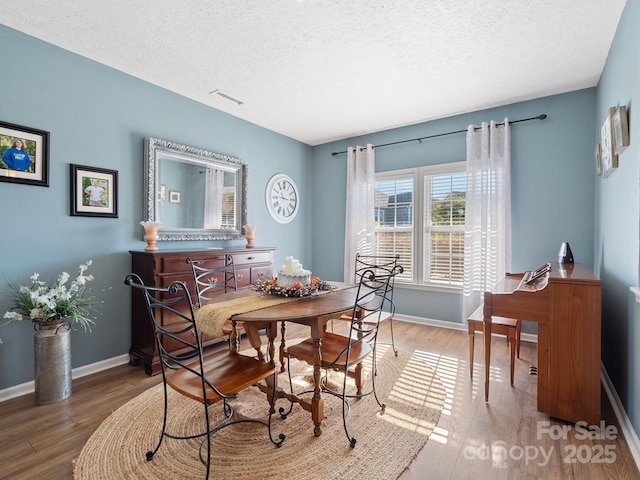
x=568, y=273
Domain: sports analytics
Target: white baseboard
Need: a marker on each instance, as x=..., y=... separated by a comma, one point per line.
x=627, y=428
x=29, y=387
x=525, y=337
x=628, y=431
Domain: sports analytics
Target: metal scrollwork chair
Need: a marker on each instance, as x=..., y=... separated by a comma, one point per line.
x=345, y=353
x=213, y=379
x=210, y=281
x=379, y=264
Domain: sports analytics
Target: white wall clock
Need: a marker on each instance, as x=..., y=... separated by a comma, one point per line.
x=282, y=198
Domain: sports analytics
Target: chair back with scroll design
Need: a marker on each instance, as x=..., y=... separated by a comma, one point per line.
x=380, y=265
x=213, y=279
x=346, y=353
x=212, y=379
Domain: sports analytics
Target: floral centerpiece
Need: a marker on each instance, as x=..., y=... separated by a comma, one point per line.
x=44, y=304
x=271, y=287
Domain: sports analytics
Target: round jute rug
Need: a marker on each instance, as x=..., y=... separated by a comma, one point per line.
x=386, y=443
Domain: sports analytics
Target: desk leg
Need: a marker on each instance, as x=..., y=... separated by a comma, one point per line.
x=486, y=333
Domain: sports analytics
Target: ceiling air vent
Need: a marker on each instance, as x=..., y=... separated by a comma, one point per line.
x=224, y=95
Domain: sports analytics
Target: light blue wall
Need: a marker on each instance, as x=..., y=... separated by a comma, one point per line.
x=553, y=179
x=99, y=117
x=617, y=215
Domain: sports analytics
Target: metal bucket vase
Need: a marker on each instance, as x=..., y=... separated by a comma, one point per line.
x=52, y=349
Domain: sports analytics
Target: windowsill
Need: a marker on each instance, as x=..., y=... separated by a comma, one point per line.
x=636, y=292
x=429, y=288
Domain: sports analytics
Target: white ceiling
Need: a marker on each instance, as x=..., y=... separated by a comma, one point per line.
x=322, y=70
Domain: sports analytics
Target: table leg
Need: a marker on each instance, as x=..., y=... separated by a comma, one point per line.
x=317, y=403
x=254, y=338
x=234, y=338
x=283, y=344
x=271, y=335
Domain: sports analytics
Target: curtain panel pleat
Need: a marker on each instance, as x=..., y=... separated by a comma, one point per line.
x=359, y=217
x=487, y=246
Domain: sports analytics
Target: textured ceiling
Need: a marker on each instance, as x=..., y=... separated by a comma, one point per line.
x=322, y=70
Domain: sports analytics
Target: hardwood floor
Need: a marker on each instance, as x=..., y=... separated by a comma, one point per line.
x=41, y=442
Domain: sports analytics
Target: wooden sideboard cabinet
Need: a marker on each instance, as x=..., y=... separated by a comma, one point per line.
x=160, y=268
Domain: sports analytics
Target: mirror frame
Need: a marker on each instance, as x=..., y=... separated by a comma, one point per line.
x=153, y=149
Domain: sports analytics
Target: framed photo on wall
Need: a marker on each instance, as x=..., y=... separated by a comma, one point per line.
x=609, y=157
x=620, y=129
x=174, y=197
x=94, y=191
x=597, y=154
x=24, y=155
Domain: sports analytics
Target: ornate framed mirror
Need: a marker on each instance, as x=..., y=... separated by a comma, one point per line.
x=194, y=194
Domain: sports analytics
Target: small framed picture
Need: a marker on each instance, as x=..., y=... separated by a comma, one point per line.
x=597, y=153
x=94, y=192
x=609, y=157
x=620, y=129
x=24, y=155
x=174, y=197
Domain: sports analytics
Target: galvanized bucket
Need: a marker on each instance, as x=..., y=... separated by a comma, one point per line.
x=52, y=348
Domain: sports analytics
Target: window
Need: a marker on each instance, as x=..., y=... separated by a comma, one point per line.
x=419, y=215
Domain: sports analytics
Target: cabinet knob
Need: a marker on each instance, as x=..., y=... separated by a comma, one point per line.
x=250, y=258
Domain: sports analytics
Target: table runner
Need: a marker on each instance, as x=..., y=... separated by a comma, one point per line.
x=210, y=318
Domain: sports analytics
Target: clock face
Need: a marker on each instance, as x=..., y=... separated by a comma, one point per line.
x=282, y=198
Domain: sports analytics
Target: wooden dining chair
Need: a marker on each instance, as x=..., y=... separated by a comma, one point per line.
x=345, y=353
x=509, y=327
x=379, y=264
x=211, y=278
x=213, y=379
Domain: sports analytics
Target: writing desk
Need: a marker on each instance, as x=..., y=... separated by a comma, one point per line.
x=314, y=311
x=566, y=307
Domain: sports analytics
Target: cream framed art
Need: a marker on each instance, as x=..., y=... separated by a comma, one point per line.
x=608, y=154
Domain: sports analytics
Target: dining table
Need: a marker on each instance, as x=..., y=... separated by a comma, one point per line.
x=260, y=311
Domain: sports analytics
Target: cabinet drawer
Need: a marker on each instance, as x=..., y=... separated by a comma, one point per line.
x=261, y=273
x=180, y=265
x=252, y=257
x=243, y=277
x=187, y=278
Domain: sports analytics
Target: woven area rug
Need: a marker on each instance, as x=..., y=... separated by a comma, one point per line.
x=386, y=443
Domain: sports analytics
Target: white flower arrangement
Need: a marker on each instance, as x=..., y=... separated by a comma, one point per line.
x=43, y=304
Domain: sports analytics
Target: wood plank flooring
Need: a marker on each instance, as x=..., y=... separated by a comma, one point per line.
x=505, y=438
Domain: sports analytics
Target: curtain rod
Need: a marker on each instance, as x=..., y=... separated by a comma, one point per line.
x=539, y=117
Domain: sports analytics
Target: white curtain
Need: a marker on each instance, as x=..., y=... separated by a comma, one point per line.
x=359, y=218
x=214, y=185
x=487, y=242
